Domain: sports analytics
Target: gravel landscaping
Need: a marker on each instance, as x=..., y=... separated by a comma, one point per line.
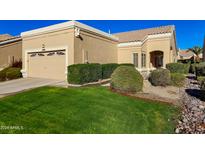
x=192, y=119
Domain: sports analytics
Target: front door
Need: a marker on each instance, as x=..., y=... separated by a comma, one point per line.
x=158, y=61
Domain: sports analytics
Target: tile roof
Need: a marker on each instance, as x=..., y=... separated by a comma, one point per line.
x=139, y=35
x=186, y=53
x=4, y=37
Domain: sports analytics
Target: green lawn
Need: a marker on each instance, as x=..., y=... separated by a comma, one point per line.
x=83, y=110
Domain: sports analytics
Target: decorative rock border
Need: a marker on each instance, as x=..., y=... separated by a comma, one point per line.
x=192, y=119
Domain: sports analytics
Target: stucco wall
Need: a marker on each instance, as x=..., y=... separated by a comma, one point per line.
x=125, y=54
x=99, y=49
x=174, y=48
x=156, y=44
x=159, y=45
x=8, y=51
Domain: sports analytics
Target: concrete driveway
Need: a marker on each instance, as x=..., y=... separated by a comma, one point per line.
x=18, y=85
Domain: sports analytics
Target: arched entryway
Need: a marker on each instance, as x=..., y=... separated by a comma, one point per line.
x=156, y=58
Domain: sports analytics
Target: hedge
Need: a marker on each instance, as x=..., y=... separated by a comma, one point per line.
x=178, y=68
x=84, y=73
x=160, y=77
x=126, y=79
x=177, y=79
x=107, y=70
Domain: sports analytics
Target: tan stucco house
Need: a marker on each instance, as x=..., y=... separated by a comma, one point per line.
x=46, y=52
x=149, y=48
x=10, y=50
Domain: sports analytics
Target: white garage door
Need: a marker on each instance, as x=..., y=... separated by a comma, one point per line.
x=48, y=64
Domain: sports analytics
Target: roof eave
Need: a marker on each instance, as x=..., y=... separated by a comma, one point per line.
x=10, y=41
x=64, y=26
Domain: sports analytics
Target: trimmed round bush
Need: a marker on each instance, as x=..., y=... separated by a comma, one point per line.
x=160, y=77
x=126, y=64
x=107, y=70
x=178, y=68
x=84, y=73
x=126, y=79
x=177, y=79
x=13, y=73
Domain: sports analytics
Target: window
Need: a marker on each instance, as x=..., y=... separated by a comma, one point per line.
x=143, y=60
x=41, y=54
x=135, y=59
x=60, y=53
x=51, y=54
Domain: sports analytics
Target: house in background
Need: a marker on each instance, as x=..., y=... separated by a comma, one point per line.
x=10, y=50
x=46, y=52
x=187, y=55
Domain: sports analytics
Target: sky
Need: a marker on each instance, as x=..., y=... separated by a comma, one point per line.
x=189, y=33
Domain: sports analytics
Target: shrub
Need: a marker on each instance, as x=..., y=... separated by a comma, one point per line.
x=192, y=68
x=84, y=73
x=194, y=65
x=13, y=73
x=160, y=77
x=200, y=79
x=177, y=79
x=17, y=64
x=200, y=69
x=3, y=74
x=202, y=84
x=126, y=79
x=127, y=64
x=107, y=70
x=178, y=68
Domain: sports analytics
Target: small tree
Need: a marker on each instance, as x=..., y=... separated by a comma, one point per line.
x=196, y=50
